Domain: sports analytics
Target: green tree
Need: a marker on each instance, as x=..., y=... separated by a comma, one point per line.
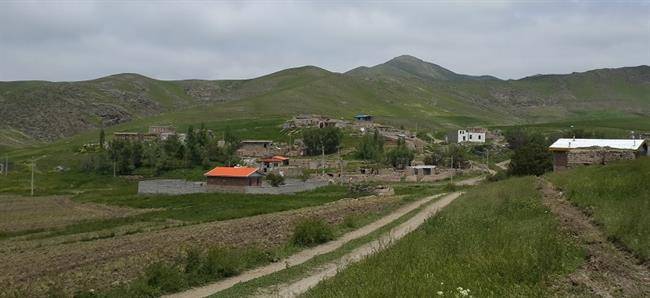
x=371, y=147
x=318, y=139
x=401, y=156
x=531, y=157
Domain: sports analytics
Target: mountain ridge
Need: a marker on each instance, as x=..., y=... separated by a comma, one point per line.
x=403, y=88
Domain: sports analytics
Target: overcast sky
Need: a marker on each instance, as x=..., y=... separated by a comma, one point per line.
x=77, y=40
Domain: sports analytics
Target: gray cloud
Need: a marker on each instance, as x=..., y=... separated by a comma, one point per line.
x=218, y=40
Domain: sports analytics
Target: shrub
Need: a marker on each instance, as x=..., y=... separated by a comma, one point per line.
x=311, y=232
x=220, y=262
x=274, y=179
x=165, y=277
x=360, y=190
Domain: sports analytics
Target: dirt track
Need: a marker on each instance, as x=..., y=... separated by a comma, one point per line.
x=608, y=271
x=98, y=264
x=304, y=255
x=332, y=268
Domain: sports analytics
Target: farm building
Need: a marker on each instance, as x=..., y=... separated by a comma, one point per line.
x=270, y=163
x=257, y=148
x=234, y=177
x=471, y=135
x=134, y=136
x=160, y=129
x=423, y=170
x=569, y=153
x=363, y=117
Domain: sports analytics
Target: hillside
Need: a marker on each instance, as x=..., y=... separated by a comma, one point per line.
x=403, y=91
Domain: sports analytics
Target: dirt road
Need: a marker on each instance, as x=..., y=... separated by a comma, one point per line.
x=330, y=269
x=307, y=254
x=609, y=271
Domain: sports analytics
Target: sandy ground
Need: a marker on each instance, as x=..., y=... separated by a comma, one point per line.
x=303, y=255
x=100, y=263
x=609, y=271
x=330, y=269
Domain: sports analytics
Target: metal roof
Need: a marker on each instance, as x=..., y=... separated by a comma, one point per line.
x=231, y=172
x=623, y=144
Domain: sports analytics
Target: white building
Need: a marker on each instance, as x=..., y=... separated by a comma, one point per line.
x=472, y=135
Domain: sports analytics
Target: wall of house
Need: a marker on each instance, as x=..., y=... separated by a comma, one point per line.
x=170, y=187
x=234, y=181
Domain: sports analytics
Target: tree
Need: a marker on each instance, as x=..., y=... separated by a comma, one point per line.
x=401, y=156
x=531, y=157
x=371, y=147
x=436, y=158
x=318, y=139
x=274, y=179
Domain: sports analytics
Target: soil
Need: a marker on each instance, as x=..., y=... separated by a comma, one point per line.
x=98, y=264
x=609, y=271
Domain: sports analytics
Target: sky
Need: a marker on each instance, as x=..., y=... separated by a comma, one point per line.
x=80, y=40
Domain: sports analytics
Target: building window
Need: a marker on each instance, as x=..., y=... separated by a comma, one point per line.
x=479, y=137
x=470, y=137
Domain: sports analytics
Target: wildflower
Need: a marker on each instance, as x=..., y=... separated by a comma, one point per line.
x=439, y=293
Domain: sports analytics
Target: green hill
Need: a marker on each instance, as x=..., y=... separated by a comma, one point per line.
x=403, y=91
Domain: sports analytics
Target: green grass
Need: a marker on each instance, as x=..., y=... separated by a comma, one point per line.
x=497, y=240
x=617, y=197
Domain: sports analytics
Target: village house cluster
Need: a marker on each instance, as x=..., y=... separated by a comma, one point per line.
x=156, y=132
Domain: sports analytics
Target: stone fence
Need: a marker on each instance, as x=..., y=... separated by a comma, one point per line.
x=180, y=187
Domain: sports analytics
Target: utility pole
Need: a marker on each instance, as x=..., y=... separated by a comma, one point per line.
x=33, y=165
x=452, y=169
x=323, y=159
x=114, y=168
x=6, y=169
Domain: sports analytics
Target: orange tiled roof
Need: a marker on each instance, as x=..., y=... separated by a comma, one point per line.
x=276, y=158
x=231, y=172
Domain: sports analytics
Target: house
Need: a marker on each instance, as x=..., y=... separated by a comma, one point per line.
x=363, y=117
x=234, y=177
x=569, y=153
x=134, y=136
x=255, y=148
x=270, y=163
x=162, y=129
x=471, y=135
x=423, y=170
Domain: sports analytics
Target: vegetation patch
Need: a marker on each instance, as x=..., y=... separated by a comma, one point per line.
x=497, y=240
x=616, y=196
x=311, y=232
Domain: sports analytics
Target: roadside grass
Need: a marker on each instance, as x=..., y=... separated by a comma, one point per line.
x=617, y=197
x=496, y=240
x=252, y=287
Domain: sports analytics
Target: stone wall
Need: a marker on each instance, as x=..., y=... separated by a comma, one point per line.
x=170, y=187
x=579, y=157
x=181, y=187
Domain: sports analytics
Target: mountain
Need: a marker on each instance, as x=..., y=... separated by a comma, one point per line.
x=409, y=67
x=403, y=91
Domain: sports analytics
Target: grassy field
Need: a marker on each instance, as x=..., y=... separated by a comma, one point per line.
x=616, y=196
x=497, y=240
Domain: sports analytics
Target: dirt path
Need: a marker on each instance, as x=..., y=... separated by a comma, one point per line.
x=609, y=271
x=307, y=254
x=503, y=165
x=332, y=268
x=470, y=181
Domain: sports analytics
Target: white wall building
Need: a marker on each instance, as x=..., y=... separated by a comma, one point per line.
x=470, y=135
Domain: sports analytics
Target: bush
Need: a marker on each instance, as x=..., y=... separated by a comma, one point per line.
x=361, y=190
x=498, y=176
x=220, y=262
x=274, y=179
x=165, y=277
x=312, y=232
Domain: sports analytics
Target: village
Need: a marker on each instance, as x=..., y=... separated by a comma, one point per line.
x=271, y=167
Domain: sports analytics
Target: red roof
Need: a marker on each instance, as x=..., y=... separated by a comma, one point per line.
x=231, y=172
x=276, y=158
